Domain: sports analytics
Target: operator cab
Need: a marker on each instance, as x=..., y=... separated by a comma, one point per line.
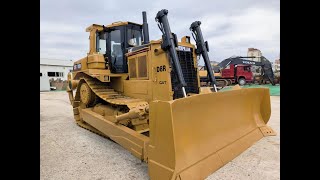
x=115, y=40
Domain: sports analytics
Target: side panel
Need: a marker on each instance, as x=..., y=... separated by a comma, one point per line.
x=139, y=84
x=160, y=75
x=161, y=71
x=141, y=89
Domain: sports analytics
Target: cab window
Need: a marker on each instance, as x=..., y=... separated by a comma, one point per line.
x=134, y=37
x=247, y=68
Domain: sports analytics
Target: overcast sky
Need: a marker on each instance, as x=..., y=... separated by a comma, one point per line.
x=230, y=26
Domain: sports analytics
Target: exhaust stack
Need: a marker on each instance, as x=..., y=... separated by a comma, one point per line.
x=145, y=28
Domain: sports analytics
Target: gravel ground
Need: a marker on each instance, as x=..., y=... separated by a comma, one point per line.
x=70, y=152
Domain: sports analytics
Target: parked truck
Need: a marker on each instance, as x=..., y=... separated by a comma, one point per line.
x=230, y=75
x=238, y=70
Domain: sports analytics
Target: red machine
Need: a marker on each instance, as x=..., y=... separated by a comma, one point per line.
x=240, y=74
x=238, y=70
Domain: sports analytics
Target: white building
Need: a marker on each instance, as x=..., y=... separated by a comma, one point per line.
x=44, y=83
x=277, y=64
x=55, y=68
x=253, y=52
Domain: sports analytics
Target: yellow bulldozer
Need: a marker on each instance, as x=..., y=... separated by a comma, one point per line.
x=146, y=96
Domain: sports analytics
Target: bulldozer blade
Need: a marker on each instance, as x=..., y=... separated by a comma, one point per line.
x=192, y=137
x=236, y=87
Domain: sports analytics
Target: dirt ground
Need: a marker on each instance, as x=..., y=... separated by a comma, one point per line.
x=70, y=152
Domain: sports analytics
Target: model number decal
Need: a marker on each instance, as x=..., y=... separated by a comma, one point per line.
x=161, y=68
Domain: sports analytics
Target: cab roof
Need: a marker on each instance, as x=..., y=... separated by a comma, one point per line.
x=114, y=24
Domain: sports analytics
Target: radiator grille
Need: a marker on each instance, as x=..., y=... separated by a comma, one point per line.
x=189, y=74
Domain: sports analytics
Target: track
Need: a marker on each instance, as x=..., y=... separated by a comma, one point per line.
x=105, y=93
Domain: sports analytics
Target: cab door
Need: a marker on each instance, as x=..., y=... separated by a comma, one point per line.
x=116, y=50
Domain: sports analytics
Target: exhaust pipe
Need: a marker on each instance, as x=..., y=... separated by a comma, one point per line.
x=145, y=28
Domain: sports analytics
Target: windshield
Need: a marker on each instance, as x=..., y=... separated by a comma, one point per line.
x=134, y=37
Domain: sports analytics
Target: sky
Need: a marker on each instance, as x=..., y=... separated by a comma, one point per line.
x=229, y=26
